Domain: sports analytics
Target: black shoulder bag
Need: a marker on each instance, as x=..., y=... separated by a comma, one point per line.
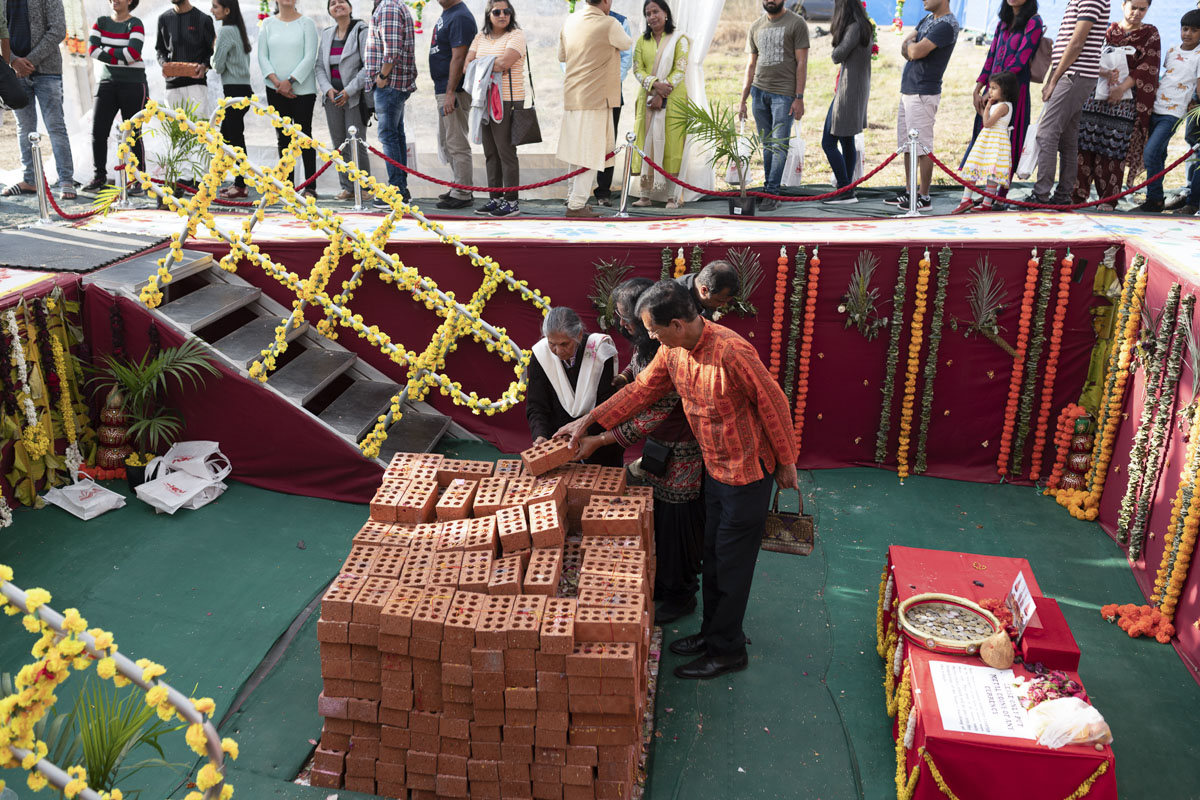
x=525, y=128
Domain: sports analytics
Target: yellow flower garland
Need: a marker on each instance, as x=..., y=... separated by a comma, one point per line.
x=274, y=184
x=64, y=394
x=57, y=655
x=906, y=782
x=916, y=337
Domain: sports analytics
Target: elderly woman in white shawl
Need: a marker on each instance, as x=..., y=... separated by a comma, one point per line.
x=569, y=375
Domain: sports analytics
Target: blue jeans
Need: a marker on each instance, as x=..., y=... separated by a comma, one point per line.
x=45, y=91
x=1191, y=135
x=840, y=151
x=389, y=108
x=773, y=115
x=1162, y=126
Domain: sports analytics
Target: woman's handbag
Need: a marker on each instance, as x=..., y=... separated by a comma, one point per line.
x=655, y=456
x=787, y=526
x=1039, y=65
x=525, y=128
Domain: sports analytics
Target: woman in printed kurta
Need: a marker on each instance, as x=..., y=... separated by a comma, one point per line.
x=1016, y=40
x=660, y=60
x=1112, y=131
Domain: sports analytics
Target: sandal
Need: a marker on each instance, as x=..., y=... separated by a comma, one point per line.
x=643, y=202
x=232, y=192
x=674, y=204
x=68, y=194
x=17, y=189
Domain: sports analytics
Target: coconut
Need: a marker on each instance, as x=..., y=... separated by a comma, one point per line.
x=997, y=651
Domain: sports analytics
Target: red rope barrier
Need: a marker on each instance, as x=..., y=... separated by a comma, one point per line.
x=494, y=189
x=782, y=198
x=60, y=212
x=1050, y=207
x=249, y=203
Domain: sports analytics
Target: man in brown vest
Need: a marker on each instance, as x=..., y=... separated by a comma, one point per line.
x=590, y=46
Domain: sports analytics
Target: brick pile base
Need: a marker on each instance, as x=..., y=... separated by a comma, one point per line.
x=458, y=661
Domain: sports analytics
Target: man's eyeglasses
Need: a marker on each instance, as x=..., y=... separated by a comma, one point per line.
x=501, y=12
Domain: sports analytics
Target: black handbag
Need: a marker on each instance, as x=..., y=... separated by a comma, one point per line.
x=12, y=92
x=655, y=456
x=525, y=128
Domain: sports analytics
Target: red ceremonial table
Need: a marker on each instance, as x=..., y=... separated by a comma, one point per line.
x=933, y=763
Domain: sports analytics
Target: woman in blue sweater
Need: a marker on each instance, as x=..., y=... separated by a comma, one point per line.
x=287, y=55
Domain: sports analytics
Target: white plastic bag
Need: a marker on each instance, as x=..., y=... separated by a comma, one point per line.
x=1027, y=165
x=202, y=459
x=1068, y=720
x=169, y=491
x=793, y=165
x=1114, y=58
x=745, y=151
x=860, y=147
x=85, y=498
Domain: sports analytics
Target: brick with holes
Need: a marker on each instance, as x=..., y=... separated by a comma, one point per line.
x=446, y=568
x=388, y=563
x=517, y=493
x=489, y=495
x=525, y=621
x=457, y=501
x=462, y=619
x=337, y=604
x=476, y=571
x=557, y=635
x=512, y=528
x=481, y=534
x=546, y=527
x=506, y=577
x=418, y=502
x=544, y=571
x=547, y=455
x=452, y=469
x=385, y=505
x=491, y=632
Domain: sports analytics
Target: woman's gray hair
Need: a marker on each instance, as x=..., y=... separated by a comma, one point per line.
x=563, y=320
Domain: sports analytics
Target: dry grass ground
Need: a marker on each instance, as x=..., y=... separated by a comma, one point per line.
x=726, y=63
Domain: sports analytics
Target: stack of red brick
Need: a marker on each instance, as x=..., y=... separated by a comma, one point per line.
x=454, y=665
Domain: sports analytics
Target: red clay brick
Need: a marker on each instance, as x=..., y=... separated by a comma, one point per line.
x=525, y=621
x=516, y=698
x=386, y=774
x=507, y=576
x=338, y=601
x=452, y=765
x=489, y=496
x=491, y=632
x=417, y=504
x=476, y=571
x=544, y=571
x=480, y=770
x=547, y=455
x=545, y=525
x=512, y=529
x=452, y=469
x=519, y=718
x=558, y=626
x=421, y=763
x=329, y=631
x=517, y=493
x=430, y=617
x=329, y=760
x=385, y=504
x=516, y=761
x=326, y=780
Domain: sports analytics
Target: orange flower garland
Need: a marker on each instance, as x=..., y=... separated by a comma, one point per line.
x=1063, y=432
x=1018, y=371
x=1085, y=503
x=777, y=314
x=680, y=264
x=915, y=340
x=1139, y=621
x=806, y=338
x=1056, y=331
x=1180, y=540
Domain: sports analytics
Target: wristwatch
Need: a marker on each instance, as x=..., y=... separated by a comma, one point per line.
x=800, y=96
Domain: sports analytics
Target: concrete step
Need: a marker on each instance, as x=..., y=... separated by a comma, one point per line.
x=415, y=432
x=357, y=409
x=133, y=274
x=245, y=345
x=312, y=371
x=208, y=304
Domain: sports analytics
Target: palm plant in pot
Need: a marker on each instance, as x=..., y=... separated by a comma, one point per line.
x=716, y=130
x=139, y=388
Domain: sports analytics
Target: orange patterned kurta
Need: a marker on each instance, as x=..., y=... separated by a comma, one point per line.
x=739, y=415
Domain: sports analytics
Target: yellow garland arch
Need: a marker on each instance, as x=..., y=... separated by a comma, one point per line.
x=426, y=369
x=57, y=655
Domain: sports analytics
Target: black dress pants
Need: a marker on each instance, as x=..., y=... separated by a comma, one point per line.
x=112, y=96
x=300, y=109
x=233, y=127
x=733, y=531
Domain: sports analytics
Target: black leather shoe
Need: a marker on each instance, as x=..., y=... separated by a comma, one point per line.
x=706, y=667
x=456, y=202
x=665, y=614
x=692, y=645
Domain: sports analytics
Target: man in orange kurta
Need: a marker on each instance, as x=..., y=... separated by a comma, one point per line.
x=742, y=423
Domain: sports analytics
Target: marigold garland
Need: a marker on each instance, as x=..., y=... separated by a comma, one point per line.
x=806, y=339
x=799, y=280
x=1063, y=431
x=1037, y=341
x=893, y=359
x=1051, y=372
x=1180, y=539
x=681, y=265
x=931, y=358
x=916, y=337
x=906, y=781
x=57, y=655
x=1018, y=370
x=1138, y=621
x=777, y=313
x=1085, y=504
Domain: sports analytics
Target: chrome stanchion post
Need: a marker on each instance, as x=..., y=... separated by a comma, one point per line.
x=352, y=132
x=39, y=179
x=914, y=149
x=123, y=187
x=623, y=211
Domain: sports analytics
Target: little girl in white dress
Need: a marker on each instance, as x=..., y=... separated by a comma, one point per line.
x=990, y=159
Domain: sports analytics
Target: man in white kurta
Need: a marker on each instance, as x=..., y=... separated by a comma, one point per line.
x=590, y=46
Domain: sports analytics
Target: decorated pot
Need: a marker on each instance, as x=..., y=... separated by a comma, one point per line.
x=114, y=416
x=1082, y=424
x=1082, y=443
x=1072, y=481
x=1079, y=462
x=112, y=435
x=112, y=457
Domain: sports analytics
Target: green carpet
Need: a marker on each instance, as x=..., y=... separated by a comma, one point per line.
x=207, y=594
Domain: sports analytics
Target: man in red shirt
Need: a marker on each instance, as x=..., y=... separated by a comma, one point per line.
x=741, y=420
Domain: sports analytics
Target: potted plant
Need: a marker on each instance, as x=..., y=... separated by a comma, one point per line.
x=186, y=158
x=716, y=129
x=140, y=387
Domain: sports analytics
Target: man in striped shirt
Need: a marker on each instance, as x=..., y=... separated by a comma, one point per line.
x=117, y=43
x=1075, y=65
x=741, y=420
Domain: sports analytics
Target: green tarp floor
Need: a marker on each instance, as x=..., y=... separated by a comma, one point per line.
x=208, y=593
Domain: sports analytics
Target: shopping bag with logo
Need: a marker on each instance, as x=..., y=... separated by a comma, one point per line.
x=793, y=165
x=169, y=491
x=745, y=152
x=860, y=147
x=200, y=458
x=84, y=498
x=1027, y=164
x=1114, y=58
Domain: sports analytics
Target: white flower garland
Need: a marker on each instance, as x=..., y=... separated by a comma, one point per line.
x=18, y=355
x=898, y=658
x=5, y=514
x=74, y=461
x=888, y=591
x=910, y=732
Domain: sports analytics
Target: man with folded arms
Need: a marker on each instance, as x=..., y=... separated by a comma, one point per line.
x=742, y=423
